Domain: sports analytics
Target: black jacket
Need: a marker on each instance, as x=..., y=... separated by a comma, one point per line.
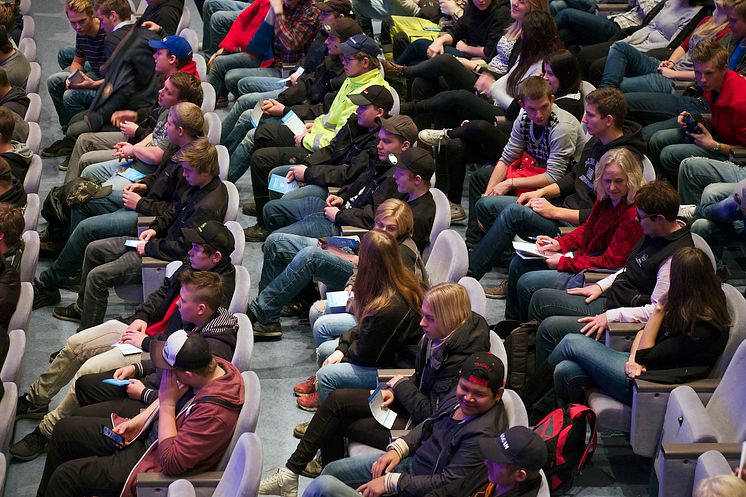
x=166, y=186
x=422, y=393
x=166, y=14
x=196, y=206
x=16, y=101
x=363, y=196
x=19, y=158
x=16, y=195
x=309, y=96
x=482, y=28
x=10, y=290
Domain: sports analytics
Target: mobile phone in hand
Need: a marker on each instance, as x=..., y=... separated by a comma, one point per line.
x=114, y=438
x=76, y=78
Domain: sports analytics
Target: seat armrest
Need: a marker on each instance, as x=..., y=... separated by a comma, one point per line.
x=354, y=230
x=152, y=262
x=592, y=277
x=287, y=70
x=737, y=154
x=387, y=374
x=145, y=220
x=333, y=190
x=398, y=433
x=706, y=385
x=566, y=230
x=693, y=451
x=622, y=329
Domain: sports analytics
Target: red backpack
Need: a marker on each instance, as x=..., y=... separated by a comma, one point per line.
x=564, y=432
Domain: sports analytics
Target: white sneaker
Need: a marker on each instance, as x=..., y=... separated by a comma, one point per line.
x=687, y=212
x=283, y=483
x=432, y=137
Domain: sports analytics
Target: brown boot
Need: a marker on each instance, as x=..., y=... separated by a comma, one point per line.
x=393, y=70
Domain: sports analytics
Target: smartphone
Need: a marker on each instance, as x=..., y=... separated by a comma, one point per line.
x=76, y=78
x=115, y=438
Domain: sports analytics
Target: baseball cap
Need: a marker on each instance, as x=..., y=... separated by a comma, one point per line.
x=183, y=351
x=517, y=445
x=377, y=95
x=484, y=369
x=417, y=160
x=344, y=28
x=400, y=125
x=360, y=43
x=176, y=45
x=335, y=6
x=212, y=233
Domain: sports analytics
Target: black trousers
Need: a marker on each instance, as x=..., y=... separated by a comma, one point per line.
x=443, y=72
x=98, y=398
x=82, y=462
x=450, y=108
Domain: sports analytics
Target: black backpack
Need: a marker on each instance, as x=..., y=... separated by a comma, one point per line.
x=520, y=345
x=564, y=431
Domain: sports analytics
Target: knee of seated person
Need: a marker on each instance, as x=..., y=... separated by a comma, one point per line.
x=322, y=484
x=570, y=343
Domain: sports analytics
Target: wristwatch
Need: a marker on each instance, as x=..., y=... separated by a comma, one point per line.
x=717, y=147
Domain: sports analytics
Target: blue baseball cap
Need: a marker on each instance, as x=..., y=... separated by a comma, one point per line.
x=360, y=43
x=176, y=45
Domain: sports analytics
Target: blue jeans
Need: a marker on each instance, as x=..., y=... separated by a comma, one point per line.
x=331, y=326
x=217, y=18
x=632, y=71
x=578, y=27
x=304, y=191
x=525, y=276
x=720, y=216
x=309, y=264
x=647, y=107
x=106, y=172
x=340, y=478
x=580, y=361
x=503, y=218
x=237, y=123
x=281, y=213
x=121, y=222
x=279, y=250
x=266, y=79
x=416, y=52
x=667, y=150
x=555, y=6
x=696, y=173
x=342, y=374
x=66, y=102
x=225, y=63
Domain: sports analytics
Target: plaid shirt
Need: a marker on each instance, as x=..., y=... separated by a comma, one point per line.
x=633, y=17
x=294, y=32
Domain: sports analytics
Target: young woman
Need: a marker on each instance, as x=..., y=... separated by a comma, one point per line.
x=386, y=309
x=688, y=332
x=451, y=331
x=603, y=241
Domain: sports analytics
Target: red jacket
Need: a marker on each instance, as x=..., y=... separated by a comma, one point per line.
x=729, y=110
x=204, y=430
x=190, y=68
x=613, y=230
x=243, y=28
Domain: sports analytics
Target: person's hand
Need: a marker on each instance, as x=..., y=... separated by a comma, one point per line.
x=330, y=213
x=128, y=128
x=524, y=197
x=128, y=429
x=120, y=116
x=134, y=338
x=680, y=120
x=467, y=63
x=277, y=6
x=147, y=235
x=272, y=107
x=388, y=397
x=298, y=139
x=667, y=73
x=170, y=391
x=137, y=325
x=87, y=83
x=546, y=244
x=335, y=358
x=553, y=261
x=448, y=7
x=134, y=389
x=633, y=370
x=665, y=64
x=334, y=200
x=218, y=53
x=125, y=373
x=703, y=139
x=542, y=207
x=592, y=292
x=502, y=188
x=436, y=48
x=484, y=83
x=595, y=325
x=385, y=464
x=395, y=379
x=124, y=150
x=141, y=248
x=374, y=488
x=297, y=172
x=136, y=187
x=462, y=46
x=151, y=26
x=294, y=79
x=130, y=199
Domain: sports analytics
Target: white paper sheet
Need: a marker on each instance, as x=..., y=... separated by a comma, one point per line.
x=383, y=415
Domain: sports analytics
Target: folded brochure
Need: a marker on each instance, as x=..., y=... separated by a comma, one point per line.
x=280, y=184
x=383, y=415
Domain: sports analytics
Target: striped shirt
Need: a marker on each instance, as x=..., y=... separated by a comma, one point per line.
x=91, y=49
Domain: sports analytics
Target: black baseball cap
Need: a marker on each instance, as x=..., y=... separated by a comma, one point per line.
x=344, y=28
x=517, y=445
x=378, y=95
x=484, y=369
x=417, y=160
x=400, y=125
x=336, y=6
x=183, y=351
x=212, y=233
x=360, y=43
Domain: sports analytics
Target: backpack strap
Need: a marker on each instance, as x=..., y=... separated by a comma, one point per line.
x=576, y=410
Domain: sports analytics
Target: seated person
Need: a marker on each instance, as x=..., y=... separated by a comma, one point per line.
x=452, y=332
x=339, y=163
x=442, y=448
x=725, y=93
x=13, y=61
x=10, y=291
x=191, y=435
x=104, y=217
x=218, y=17
x=512, y=463
x=16, y=153
x=684, y=336
x=603, y=241
x=12, y=226
x=722, y=214
x=697, y=174
x=90, y=351
x=15, y=100
x=11, y=189
x=543, y=133
x=163, y=16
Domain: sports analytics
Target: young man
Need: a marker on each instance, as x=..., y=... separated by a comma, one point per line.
x=355, y=139
x=549, y=135
x=17, y=154
x=725, y=93
x=192, y=435
x=173, y=54
x=512, y=463
x=11, y=190
x=442, y=448
x=102, y=218
x=90, y=351
x=14, y=99
x=627, y=296
x=11, y=228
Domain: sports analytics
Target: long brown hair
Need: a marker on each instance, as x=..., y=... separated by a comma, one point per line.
x=539, y=38
x=381, y=275
x=694, y=293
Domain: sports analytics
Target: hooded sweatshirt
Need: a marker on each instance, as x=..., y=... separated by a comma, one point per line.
x=19, y=158
x=15, y=100
x=190, y=68
x=204, y=426
x=15, y=195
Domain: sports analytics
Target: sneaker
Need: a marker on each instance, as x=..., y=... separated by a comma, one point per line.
x=264, y=330
x=687, y=212
x=308, y=403
x=31, y=446
x=69, y=313
x=60, y=148
x=313, y=468
x=54, y=354
x=249, y=208
x=62, y=166
x=306, y=387
x=25, y=409
x=497, y=292
x=457, y=213
x=300, y=429
x=283, y=483
x=256, y=233
x=44, y=296
x=433, y=137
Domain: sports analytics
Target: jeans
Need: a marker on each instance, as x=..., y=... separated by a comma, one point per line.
x=577, y=27
x=349, y=473
x=525, y=276
x=279, y=250
x=580, y=361
x=646, y=107
x=121, y=222
x=268, y=79
x=720, y=216
x=225, y=63
x=667, y=150
x=217, y=18
x=342, y=374
x=365, y=10
x=302, y=192
x=416, y=52
x=310, y=263
x=331, y=326
x=555, y=6
x=697, y=172
x=632, y=71
x=68, y=102
x=503, y=218
x=237, y=123
x=281, y=213
x=107, y=173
